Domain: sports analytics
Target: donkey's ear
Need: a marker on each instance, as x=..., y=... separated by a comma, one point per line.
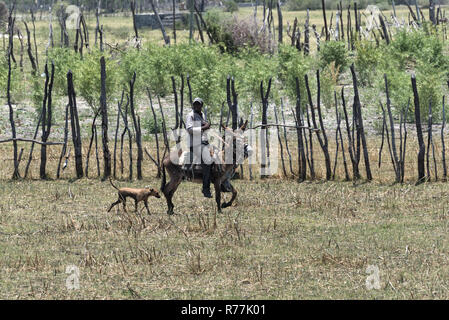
x=243, y=127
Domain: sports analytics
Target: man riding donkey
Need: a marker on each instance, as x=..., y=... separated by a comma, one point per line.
x=183, y=165
x=197, y=125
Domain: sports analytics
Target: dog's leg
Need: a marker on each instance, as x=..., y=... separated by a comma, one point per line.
x=124, y=204
x=114, y=204
x=135, y=204
x=146, y=206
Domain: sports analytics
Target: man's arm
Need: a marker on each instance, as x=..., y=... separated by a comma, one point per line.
x=189, y=124
x=206, y=126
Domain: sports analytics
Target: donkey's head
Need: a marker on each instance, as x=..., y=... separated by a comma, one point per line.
x=236, y=143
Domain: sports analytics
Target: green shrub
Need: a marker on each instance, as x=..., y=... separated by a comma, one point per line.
x=149, y=125
x=409, y=47
x=88, y=78
x=231, y=6
x=329, y=82
x=334, y=52
x=399, y=89
x=293, y=64
x=17, y=83
x=3, y=16
x=38, y=93
x=367, y=60
x=422, y=53
x=430, y=87
x=216, y=23
x=64, y=59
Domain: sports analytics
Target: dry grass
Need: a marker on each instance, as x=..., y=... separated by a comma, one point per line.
x=281, y=240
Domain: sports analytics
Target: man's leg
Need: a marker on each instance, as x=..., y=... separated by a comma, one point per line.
x=206, y=164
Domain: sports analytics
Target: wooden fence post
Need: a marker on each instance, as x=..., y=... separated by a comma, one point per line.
x=75, y=124
x=358, y=106
x=11, y=21
x=302, y=163
x=46, y=119
x=137, y=128
x=422, y=147
x=104, y=122
x=443, y=151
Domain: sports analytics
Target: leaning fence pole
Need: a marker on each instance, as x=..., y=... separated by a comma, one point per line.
x=302, y=162
x=323, y=6
x=133, y=13
x=360, y=122
x=321, y=140
x=264, y=132
x=93, y=128
x=104, y=122
x=337, y=143
x=74, y=121
x=443, y=151
x=285, y=138
x=96, y=152
x=431, y=144
x=251, y=123
x=404, y=146
x=393, y=139
x=174, y=20
x=30, y=157
x=122, y=139
x=345, y=164
x=388, y=138
x=309, y=146
x=46, y=121
x=156, y=131
x=16, y=174
x=137, y=129
x=401, y=160
x=325, y=145
x=116, y=135
x=355, y=167
x=164, y=125
x=422, y=147
x=280, y=140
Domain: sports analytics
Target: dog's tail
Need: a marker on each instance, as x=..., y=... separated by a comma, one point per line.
x=110, y=180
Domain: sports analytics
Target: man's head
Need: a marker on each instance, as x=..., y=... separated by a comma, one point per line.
x=198, y=104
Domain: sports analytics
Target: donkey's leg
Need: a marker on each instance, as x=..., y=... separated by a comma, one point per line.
x=234, y=195
x=169, y=191
x=217, y=186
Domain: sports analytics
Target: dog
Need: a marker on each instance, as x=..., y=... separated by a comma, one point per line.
x=137, y=194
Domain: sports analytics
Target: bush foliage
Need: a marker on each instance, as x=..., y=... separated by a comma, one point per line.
x=245, y=58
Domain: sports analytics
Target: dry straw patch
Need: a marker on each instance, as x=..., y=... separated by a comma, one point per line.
x=280, y=240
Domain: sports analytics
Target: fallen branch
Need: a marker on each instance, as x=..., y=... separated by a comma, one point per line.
x=285, y=126
x=33, y=141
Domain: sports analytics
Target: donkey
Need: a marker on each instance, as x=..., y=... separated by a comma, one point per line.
x=220, y=173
